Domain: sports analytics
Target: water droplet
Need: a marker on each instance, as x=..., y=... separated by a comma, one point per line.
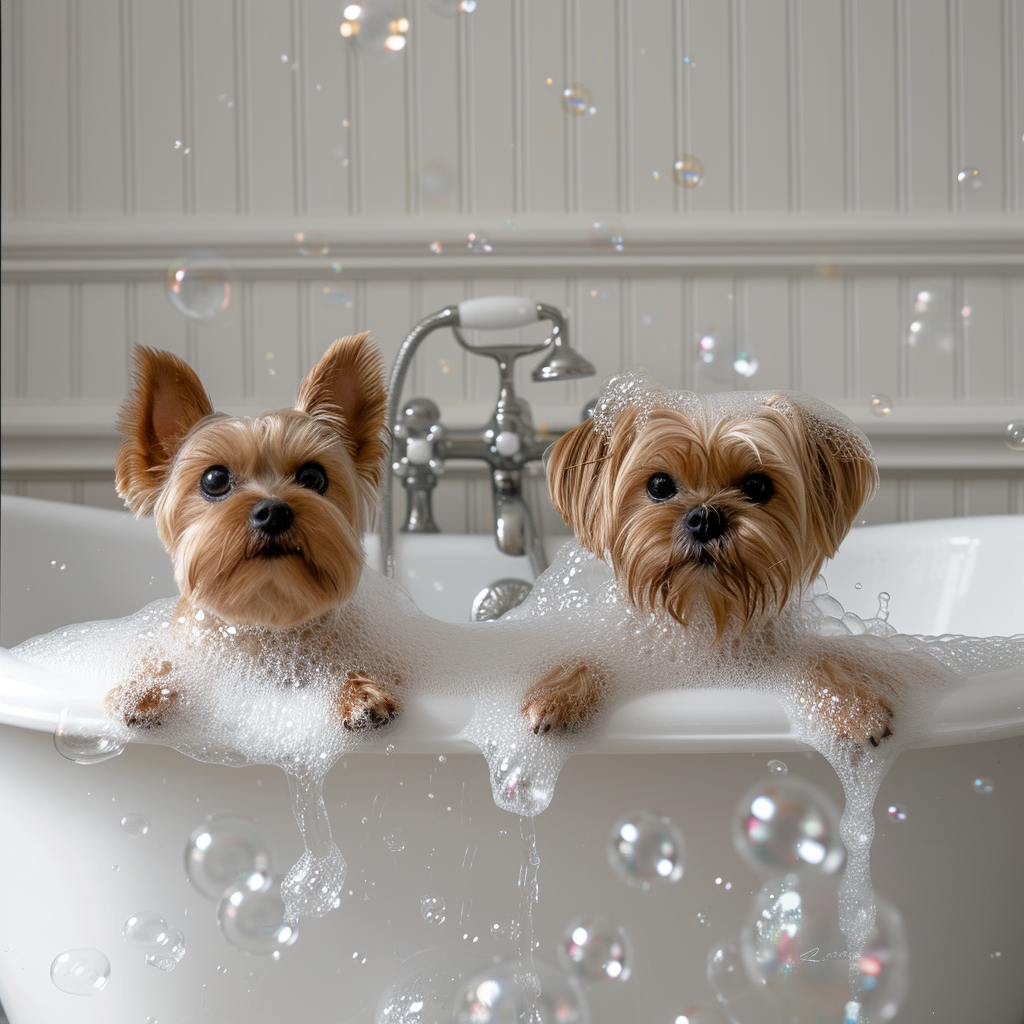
x=787, y=825
x=432, y=909
x=745, y=363
x=777, y=767
x=515, y=789
x=576, y=99
x=441, y=758
x=222, y=849
x=251, y=915
x=199, y=286
x=983, y=786
x=80, y=972
x=85, y=734
x=477, y=243
x=688, y=171
x=646, y=848
x=897, y=812
x=725, y=971
x=704, y=918
x=1013, y=439
x=395, y=841
x=969, y=177
x=115, y=867
x=436, y=248
x=134, y=825
x=593, y=948
x=606, y=234
x=312, y=243
x=880, y=405
x=857, y=586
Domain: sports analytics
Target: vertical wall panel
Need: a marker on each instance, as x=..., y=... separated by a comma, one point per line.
x=548, y=140
x=821, y=101
x=386, y=174
x=657, y=310
x=159, y=324
x=220, y=360
x=767, y=334
x=104, y=344
x=985, y=334
x=931, y=363
x=879, y=337
x=48, y=321
x=932, y=499
x=491, y=126
x=10, y=94
x=983, y=139
x=876, y=127
x=988, y=498
x=715, y=312
x=275, y=343
x=436, y=177
x=822, y=338
x=930, y=165
x=10, y=342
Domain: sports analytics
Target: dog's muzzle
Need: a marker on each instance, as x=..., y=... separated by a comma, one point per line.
x=271, y=517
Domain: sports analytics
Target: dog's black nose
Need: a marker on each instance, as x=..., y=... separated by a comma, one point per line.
x=271, y=517
x=705, y=523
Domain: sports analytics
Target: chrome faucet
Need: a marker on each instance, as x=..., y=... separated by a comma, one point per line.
x=507, y=442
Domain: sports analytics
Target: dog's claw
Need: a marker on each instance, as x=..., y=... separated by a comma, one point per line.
x=563, y=699
x=363, y=704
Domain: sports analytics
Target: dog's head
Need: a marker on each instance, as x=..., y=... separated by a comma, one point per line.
x=263, y=517
x=729, y=506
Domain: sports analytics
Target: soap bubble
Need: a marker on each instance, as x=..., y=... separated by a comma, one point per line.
x=477, y=243
x=970, y=177
x=778, y=767
x=646, y=848
x=518, y=790
x=501, y=994
x=312, y=243
x=745, y=363
x=983, y=786
x=432, y=909
x=880, y=405
x=378, y=30
x=606, y=234
x=452, y=8
x=80, y=972
x=335, y=296
x=725, y=972
x=436, y=248
x=593, y=948
x=395, y=840
x=931, y=321
x=897, y=812
x=251, y=915
x=688, y=171
x=146, y=930
x=423, y=989
x=704, y=918
x=134, y=825
x=793, y=948
x=786, y=825
x=576, y=99
x=1015, y=436
x=85, y=734
x=701, y=1015
x=199, y=286
x=221, y=849
x=167, y=956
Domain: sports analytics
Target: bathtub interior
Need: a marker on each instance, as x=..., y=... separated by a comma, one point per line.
x=951, y=868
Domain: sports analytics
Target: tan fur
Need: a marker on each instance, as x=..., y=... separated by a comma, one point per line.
x=769, y=551
x=565, y=698
x=222, y=565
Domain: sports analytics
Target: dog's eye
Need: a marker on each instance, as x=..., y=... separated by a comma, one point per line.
x=757, y=488
x=312, y=475
x=661, y=487
x=215, y=482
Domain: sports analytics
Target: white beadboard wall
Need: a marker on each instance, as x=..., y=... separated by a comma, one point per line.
x=831, y=134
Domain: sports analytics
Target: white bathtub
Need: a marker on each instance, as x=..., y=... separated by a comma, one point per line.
x=952, y=868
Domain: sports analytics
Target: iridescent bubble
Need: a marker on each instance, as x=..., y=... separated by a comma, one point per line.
x=688, y=171
x=701, y=1015
x=931, y=321
x=606, y=234
x=312, y=243
x=85, y=734
x=745, y=363
x=222, y=849
x=134, y=825
x=432, y=909
x=787, y=825
x=423, y=989
x=477, y=243
x=166, y=958
x=380, y=31
x=1014, y=437
x=576, y=99
x=725, y=972
x=969, y=177
x=199, y=286
x=778, y=767
x=880, y=405
x=983, y=786
x=251, y=915
x=594, y=948
x=436, y=248
x=795, y=952
x=646, y=848
x=897, y=812
x=502, y=994
x=80, y=972
x=516, y=789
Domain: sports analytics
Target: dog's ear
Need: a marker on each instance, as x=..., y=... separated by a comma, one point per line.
x=165, y=400
x=346, y=388
x=577, y=467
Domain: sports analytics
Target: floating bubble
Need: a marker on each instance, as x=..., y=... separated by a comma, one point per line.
x=221, y=849
x=1014, y=437
x=931, y=321
x=778, y=767
x=436, y=248
x=452, y=8
x=701, y=1015
x=335, y=296
x=503, y=994
x=606, y=234
x=146, y=930
x=725, y=972
x=576, y=99
x=970, y=177
x=594, y=948
x=983, y=786
x=377, y=29
x=85, y=734
x=787, y=825
x=794, y=950
x=704, y=918
x=423, y=989
x=477, y=243
x=646, y=848
x=166, y=958
x=134, y=825
x=80, y=972
x=432, y=909
x=395, y=840
x=312, y=243
x=251, y=915
x=199, y=286
x=880, y=405
x=897, y=812
x=688, y=171
x=745, y=363
x=517, y=789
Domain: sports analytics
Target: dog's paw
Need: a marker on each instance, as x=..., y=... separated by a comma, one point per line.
x=564, y=699
x=363, y=704
x=850, y=709
x=142, y=704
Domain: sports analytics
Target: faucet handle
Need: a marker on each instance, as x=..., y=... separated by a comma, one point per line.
x=497, y=312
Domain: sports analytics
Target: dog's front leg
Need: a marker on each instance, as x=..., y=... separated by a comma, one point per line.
x=362, y=702
x=565, y=698
x=146, y=700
